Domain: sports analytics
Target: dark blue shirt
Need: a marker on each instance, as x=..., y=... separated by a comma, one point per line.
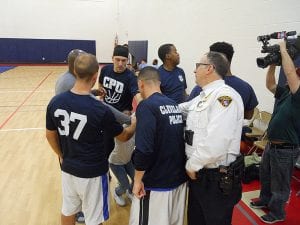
x=120, y=87
x=282, y=82
x=173, y=83
x=81, y=121
x=242, y=87
x=284, y=121
x=194, y=93
x=159, y=143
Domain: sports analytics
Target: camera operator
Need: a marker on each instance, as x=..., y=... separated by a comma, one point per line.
x=282, y=149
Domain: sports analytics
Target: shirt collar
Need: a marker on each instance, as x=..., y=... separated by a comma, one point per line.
x=207, y=89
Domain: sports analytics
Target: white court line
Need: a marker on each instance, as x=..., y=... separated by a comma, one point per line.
x=45, y=91
x=23, y=129
x=296, y=178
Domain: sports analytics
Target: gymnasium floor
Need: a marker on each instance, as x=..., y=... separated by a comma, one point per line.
x=30, y=184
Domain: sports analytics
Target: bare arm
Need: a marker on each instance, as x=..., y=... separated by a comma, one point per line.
x=270, y=79
x=248, y=114
x=138, y=98
x=53, y=140
x=101, y=91
x=289, y=68
x=128, y=132
x=138, y=186
x=120, y=117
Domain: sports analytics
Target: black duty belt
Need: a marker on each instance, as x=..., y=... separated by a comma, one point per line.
x=283, y=146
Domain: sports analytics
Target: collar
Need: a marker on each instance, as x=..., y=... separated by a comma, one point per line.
x=168, y=69
x=209, y=88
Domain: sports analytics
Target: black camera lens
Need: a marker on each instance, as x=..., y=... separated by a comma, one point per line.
x=274, y=58
x=261, y=62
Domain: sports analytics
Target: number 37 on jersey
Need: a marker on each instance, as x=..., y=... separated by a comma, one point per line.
x=67, y=119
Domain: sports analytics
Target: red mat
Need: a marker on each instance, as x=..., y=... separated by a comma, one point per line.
x=243, y=215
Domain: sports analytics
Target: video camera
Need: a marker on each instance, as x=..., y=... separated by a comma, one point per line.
x=274, y=57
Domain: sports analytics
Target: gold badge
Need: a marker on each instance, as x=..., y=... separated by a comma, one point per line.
x=225, y=100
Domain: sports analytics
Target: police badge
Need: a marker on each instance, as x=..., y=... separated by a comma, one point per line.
x=225, y=100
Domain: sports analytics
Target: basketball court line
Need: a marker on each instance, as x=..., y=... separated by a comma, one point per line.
x=11, y=106
x=296, y=178
x=244, y=212
x=23, y=129
x=26, y=91
x=25, y=100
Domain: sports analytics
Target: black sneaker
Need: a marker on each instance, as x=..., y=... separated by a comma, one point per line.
x=268, y=218
x=79, y=217
x=258, y=205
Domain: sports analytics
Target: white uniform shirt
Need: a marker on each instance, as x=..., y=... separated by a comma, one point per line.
x=216, y=118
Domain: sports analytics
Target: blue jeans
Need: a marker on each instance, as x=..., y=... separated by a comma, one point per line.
x=275, y=176
x=122, y=172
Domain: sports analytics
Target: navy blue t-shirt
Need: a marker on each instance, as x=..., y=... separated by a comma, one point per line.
x=242, y=87
x=159, y=143
x=81, y=121
x=173, y=83
x=194, y=93
x=120, y=87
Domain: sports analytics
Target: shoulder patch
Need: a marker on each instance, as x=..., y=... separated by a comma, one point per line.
x=225, y=100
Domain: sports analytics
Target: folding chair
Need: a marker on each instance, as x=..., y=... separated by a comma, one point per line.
x=259, y=134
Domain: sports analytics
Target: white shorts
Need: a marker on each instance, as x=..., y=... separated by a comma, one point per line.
x=159, y=207
x=91, y=195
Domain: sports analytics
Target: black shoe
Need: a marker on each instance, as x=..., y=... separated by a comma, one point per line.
x=268, y=218
x=79, y=217
x=258, y=205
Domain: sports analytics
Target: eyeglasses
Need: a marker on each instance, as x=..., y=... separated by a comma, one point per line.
x=204, y=64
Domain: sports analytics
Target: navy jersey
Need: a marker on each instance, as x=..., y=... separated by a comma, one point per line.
x=81, y=121
x=173, y=83
x=120, y=87
x=194, y=93
x=159, y=142
x=242, y=87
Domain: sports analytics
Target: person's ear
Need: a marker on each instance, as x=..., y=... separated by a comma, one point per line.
x=94, y=78
x=210, y=68
x=168, y=56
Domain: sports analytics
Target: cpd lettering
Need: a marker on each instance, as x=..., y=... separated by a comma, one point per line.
x=110, y=83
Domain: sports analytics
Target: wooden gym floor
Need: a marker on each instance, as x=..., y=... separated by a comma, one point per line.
x=30, y=183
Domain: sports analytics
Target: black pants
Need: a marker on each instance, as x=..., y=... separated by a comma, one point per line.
x=207, y=204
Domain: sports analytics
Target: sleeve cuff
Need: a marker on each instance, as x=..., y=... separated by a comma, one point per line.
x=191, y=165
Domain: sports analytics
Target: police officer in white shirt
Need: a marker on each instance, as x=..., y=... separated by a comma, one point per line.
x=214, y=121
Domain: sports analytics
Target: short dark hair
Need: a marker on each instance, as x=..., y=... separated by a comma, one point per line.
x=121, y=50
x=164, y=50
x=219, y=61
x=149, y=73
x=85, y=66
x=223, y=47
x=71, y=58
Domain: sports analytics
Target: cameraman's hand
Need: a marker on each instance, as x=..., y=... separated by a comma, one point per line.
x=282, y=46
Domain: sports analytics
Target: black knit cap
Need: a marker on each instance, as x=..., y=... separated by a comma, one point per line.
x=120, y=50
